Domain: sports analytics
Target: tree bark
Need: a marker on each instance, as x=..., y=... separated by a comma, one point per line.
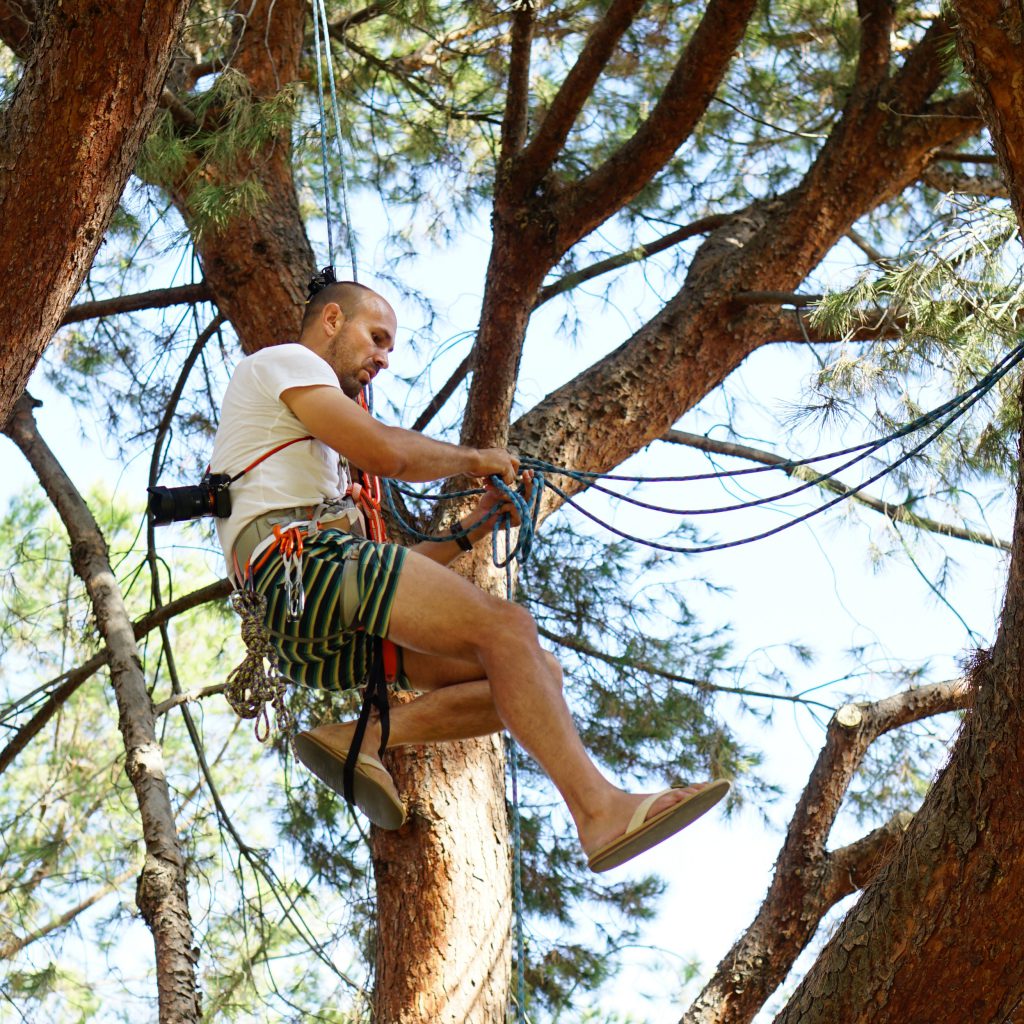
x=161, y=893
x=808, y=880
x=257, y=267
x=935, y=920
x=68, y=142
x=443, y=901
x=991, y=44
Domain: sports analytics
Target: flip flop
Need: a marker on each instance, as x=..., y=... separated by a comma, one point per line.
x=373, y=787
x=642, y=832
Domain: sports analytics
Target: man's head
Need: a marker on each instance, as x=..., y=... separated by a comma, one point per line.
x=353, y=328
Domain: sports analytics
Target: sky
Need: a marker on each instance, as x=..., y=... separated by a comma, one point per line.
x=815, y=584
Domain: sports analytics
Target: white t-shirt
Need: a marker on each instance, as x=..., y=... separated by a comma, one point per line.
x=254, y=420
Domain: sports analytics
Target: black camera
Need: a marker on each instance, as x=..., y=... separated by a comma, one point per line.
x=210, y=497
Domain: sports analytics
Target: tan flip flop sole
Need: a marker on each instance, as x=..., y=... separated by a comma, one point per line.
x=642, y=834
x=374, y=792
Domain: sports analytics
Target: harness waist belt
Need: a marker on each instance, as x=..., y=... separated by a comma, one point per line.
x=257, y=535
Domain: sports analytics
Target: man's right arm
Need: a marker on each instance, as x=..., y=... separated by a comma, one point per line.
x=392, y=452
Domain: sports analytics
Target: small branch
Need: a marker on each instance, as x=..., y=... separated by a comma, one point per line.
x=446, y=391
x=965, y=158
x=865, y=247
x=895, y=513
x=851, y=867
x=157, y=299
x=183, y=117
x=515, y=122
x=187, y=697
x=338, y=25
x=797, y=299
x=581, y=647
x=965, y=184
x=639, y=252
x=70, y=681
x=16, y=945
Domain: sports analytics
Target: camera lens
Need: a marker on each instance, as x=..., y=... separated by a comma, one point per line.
x=175, y=504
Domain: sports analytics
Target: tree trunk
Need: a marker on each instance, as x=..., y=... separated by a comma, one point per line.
x=934, y=924
x=991, y=45
x=257, y=266
x=68, y=142
x=443, y=900
x=161, y=893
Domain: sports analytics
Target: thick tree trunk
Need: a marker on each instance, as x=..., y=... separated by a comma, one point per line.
x=161, y=893
x=443, y=902
x=68, y=142
x=938, y=922
x=991, y=44
x=256, y=268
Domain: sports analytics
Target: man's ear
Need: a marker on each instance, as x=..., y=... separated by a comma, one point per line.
x=332, y=317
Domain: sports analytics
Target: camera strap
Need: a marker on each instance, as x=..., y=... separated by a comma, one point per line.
x=265, y=456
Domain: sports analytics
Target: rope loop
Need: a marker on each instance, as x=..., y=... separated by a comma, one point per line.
x=257, y=681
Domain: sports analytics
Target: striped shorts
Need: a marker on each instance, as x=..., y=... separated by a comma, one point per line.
x=330, y=647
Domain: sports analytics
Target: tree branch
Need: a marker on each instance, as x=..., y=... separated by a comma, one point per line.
x=444, y=393
x=161, y=895
x=895, y=513
x=851, y=867
x=158, y=298
x=681, y=105
x=582, y=647
x=639, y=252
x=965, y=184
x=515, y=122
x=69, y=682
x=543, y=149
x=965, y=158
x=876, y=18
x=18, y=20
x=15, y=945
x=806, y=880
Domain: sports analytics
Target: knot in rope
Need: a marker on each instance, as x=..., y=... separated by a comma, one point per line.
x=257, y=681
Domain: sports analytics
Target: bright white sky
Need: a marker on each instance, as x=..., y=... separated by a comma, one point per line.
x=813, y=584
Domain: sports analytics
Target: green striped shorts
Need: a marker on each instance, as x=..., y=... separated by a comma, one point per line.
x=323, y=650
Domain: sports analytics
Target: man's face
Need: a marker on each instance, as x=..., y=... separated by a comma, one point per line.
x=362, y=343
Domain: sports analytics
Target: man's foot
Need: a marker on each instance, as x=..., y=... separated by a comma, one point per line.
x=324, y=751
x=654, y=819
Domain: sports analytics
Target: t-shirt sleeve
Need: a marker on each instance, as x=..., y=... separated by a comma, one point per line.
x=281, y=367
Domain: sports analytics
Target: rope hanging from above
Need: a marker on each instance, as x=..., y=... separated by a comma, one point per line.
x=324, y=56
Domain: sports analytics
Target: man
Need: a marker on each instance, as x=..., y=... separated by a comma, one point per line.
x=475, y=657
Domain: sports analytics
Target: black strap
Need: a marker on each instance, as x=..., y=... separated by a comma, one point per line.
x=376, y=697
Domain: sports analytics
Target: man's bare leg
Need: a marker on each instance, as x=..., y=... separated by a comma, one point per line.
x=437, y=612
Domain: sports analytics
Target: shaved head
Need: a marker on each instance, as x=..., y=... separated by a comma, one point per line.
x=349, y=295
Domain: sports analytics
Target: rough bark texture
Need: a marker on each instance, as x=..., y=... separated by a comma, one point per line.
x=809, y=880
x=68, y=142
x=935, y=922
x=443, y=906
x=161, y=893
x=257, y=267
x=991, y=45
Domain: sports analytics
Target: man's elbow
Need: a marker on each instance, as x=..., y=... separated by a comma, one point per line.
x=390, y=458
